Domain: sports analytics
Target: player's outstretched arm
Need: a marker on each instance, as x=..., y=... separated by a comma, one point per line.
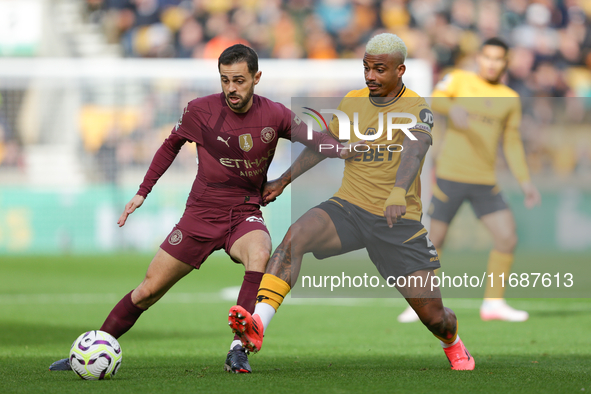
x=515, y=155
x=310, y=156
x=163, y=158
x=410, y=162
x=130, y=207
x=306, y=160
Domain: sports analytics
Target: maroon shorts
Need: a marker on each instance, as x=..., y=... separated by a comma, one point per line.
x=202, y=230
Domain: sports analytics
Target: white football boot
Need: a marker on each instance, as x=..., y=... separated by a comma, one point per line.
x=408, y=316
x=499, y=310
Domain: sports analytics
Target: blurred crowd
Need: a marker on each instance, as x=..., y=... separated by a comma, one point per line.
x=10, y=151
x=550, y=57
x=551, y=38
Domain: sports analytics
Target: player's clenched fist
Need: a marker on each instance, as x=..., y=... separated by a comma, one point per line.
x=395, y=206
x=394, y=213
x=272, y=190
x=131, y=206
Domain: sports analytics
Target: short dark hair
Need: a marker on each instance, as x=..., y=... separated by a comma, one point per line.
x=497, y=42
x=240, y=53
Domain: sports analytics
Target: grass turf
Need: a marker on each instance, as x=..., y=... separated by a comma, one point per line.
x=327, y=346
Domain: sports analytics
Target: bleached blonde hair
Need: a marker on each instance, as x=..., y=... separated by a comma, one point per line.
x=386, y=43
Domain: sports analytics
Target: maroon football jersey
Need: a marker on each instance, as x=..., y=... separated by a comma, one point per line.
x=234, y=150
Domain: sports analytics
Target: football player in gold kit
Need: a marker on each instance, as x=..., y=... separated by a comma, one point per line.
x=377, y=207
x=465, y=168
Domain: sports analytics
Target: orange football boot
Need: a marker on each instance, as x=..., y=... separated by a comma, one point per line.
x=459, y=357
x=248, y=327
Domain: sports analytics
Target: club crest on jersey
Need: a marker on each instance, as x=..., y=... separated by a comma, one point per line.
x=176, y=237
x=267, y=134
x=245, y=142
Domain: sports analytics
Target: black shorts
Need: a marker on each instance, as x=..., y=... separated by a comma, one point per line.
x=448, y=196
x=401, y=250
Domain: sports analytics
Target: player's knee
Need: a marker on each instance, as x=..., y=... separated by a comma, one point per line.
x=143, y=297
x=258, y=260
x=507, y=242
x=512, y=241
x=263, y=255
x=297, y=232
x=299, y=238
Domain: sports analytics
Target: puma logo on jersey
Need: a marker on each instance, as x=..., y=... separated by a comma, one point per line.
x=224, y=141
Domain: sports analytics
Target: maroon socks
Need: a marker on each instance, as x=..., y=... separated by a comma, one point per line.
x=248, y=292
x=124, y=316
x=125, y=313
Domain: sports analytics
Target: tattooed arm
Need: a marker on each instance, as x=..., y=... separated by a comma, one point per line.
x=306, y=160
x=410, y=161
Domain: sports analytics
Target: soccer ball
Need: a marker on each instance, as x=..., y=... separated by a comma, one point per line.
x=95, y=355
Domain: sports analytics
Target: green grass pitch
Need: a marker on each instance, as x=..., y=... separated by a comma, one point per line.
x=330, y=345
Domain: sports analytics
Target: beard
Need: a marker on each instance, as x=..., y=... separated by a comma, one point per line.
x=243, y=100
x=374, y=94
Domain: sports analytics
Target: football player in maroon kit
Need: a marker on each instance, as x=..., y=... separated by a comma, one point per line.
x=236, y=134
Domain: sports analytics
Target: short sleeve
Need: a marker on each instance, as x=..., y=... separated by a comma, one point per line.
x=188, y=125
x=424, y=117
x=291, y=120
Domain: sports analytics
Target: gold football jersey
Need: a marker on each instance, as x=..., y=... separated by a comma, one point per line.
x=369, y=178
x=494, y=114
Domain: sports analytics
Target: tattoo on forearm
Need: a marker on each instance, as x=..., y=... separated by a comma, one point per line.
x=306, y=160
x=410, y=159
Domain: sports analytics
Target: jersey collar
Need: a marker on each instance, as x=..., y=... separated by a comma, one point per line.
x=381, y=103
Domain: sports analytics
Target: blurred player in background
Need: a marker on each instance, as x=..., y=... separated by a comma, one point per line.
x=465, y=168
x=377, y=207
x=236, y=133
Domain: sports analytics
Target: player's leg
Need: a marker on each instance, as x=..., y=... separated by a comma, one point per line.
x=501, y=226
x=404, y=254
x=437, y=235
x=251, y=250
x=313, y=232
x=441, y=321
x=447, y=199
x=164, y=271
